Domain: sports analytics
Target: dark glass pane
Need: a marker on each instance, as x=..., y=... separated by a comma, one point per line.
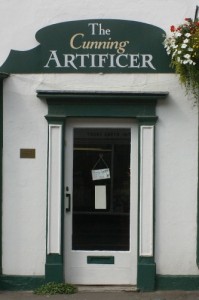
x=106, y=228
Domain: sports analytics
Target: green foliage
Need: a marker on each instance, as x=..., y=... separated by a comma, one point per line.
x=189, y=77
x=183, y=47
x=53, y=288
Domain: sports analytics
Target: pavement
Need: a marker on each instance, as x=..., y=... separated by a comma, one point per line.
x=120, y=295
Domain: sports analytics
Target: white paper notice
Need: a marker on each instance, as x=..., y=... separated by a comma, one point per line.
x=100, y=197
x=100, y=174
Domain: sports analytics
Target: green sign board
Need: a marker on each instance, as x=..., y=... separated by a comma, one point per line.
x=93, y=46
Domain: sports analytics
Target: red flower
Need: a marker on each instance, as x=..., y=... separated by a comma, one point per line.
x=188, y=19
x=172, y=28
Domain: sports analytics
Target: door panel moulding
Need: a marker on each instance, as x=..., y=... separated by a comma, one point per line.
x=54, y=189
x=146, y=190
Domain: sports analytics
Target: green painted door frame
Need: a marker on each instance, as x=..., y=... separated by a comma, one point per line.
x=140, y=106
x=2, y=77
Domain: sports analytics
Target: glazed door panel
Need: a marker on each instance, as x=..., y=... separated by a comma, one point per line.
x=101, y=225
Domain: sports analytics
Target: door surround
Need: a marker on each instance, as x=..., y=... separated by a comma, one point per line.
x=140, y=106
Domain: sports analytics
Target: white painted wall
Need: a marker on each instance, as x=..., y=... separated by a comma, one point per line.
x=24, y=180
x=24, y=185
x=176, y=181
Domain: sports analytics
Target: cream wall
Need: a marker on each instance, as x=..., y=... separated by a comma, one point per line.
x=24, y=180
x=24, y=183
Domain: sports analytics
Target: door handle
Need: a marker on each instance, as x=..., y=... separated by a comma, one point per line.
x=68, y=196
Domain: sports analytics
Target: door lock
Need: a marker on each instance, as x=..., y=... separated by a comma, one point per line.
x=68, y=200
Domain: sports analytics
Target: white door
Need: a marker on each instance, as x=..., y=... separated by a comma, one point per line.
x=101, y=162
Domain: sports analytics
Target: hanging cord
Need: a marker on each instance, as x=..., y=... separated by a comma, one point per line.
x=100, y=159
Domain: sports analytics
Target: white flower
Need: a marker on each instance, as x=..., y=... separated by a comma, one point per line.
x=178, y=34
x=168, y=51
x=184, y=46
x=187, y=56
x=187, y=34
x=179, y=52
x=174, y=53
x=186, y=41
x=190, y=49
x=188, y=61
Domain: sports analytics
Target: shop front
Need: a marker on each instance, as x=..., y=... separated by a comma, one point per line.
x=86, y=111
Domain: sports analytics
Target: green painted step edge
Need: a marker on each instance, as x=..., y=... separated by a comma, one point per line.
x=177, y=282
x=162, y=282
x=20, y=283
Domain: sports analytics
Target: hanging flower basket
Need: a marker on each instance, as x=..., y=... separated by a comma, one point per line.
x=183, y=47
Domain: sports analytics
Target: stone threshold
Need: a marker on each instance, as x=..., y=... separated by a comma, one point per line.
x=107, y=288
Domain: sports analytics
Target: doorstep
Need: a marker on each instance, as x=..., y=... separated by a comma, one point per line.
x=107, y=288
